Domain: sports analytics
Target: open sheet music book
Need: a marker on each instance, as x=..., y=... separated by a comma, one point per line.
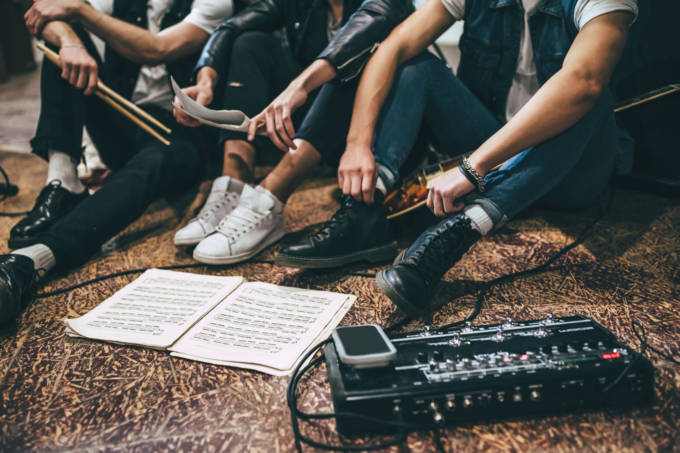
x=219, y=320
x=233, y=120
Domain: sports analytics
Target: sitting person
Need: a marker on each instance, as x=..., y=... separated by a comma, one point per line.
x=143, y=44
x=245, y=64
x=530, y=94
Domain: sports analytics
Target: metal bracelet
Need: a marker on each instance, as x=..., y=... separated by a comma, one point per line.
x=472, y=175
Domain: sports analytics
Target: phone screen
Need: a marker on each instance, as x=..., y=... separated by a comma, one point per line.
x=362, y=340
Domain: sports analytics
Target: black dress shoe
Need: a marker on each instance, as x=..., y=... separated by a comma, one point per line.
x=356, y=232
x=16, y=278
x=53, y=203
x=411, y=281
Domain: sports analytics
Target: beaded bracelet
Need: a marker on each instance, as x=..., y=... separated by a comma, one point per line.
x=472, y=175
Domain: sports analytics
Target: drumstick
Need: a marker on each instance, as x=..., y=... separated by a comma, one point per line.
x=105, y=97
x=104, y=88
x=110, y=97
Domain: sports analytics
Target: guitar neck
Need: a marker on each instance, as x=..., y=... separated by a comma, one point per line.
x=646, y=97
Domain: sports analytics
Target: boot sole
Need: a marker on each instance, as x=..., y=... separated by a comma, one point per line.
x=273, y=237
x=396, y=297
x=372, y=255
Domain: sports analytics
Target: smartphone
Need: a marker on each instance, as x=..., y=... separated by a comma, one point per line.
x=364, y=346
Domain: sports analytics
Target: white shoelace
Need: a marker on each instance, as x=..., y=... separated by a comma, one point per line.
x=240, y=221
x=217, y=208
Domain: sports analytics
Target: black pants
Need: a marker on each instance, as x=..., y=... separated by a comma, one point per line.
x=260, y=68
x=144, y=169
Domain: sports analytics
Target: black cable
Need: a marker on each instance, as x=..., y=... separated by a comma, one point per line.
x=296, y=414
x=533, y=271
x=128, y=272
x=635, y=324
x=436, y=435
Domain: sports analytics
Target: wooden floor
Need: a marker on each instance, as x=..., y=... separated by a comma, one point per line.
x=61, y=394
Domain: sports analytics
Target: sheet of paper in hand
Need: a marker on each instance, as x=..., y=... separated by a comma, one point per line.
x=232, y=120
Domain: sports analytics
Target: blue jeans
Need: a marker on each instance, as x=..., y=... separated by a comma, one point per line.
x=568, y=171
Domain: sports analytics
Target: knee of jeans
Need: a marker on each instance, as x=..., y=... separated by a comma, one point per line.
x=416, y=69
x=412, y=74
x=249, y=45
x=146, y=162
x=568, y=197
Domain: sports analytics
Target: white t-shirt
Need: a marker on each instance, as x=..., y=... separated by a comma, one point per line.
x=152, y=86
x=525, y=82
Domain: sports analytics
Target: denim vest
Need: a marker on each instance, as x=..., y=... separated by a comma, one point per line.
x=490, y=45
x=122, y=74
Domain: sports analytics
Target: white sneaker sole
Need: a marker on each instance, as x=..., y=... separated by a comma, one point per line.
x=268, y=240
x=188, y=241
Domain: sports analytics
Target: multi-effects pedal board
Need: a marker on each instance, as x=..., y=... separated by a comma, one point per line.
x=491, y=372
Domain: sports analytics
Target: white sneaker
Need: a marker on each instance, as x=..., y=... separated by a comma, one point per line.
x=255, y=224
x=224, y=197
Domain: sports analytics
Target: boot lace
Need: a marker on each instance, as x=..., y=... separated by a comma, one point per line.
x=438, y=252
x=337, y=223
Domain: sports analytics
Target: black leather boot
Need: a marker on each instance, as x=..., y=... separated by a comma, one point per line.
x=410, y=283
x=356, y=232
x=17, y=275
x=52, y=204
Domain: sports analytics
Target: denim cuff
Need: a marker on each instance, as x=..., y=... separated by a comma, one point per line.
x=388, y=178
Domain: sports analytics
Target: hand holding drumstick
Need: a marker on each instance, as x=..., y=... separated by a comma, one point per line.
x=81, y=72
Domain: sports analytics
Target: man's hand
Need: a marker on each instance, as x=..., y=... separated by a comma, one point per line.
x=202, y=93
x=357, y=173
x=276, y=119
x=44, y=11
x=445, y=191
x=78, y=67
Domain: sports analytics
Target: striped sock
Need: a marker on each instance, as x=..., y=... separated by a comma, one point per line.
x=42, y=256
x=479, y=218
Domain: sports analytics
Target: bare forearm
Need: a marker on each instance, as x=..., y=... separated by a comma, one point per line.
x=316, y=74
x=207, y=77
x=559, y=104
x=60, y=34
x=373, y=89
x=566, y=97
x=405, y=42
x=132, y=42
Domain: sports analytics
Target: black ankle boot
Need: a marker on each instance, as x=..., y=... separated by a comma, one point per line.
x=16, y=279
x=410, y=283
x=356, y=232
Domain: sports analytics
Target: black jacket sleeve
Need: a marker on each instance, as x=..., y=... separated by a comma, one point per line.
x=266, y=15
x=354, y=44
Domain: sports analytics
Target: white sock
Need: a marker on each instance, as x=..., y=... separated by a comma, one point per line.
x=380, y=185
x=62, y=168
x=42, y=256
x=479, y=218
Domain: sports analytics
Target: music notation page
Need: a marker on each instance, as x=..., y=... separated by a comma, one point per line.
x=264, y=327
x=154, y=310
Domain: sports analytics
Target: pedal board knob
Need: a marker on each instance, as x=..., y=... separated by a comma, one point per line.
x=438, y=418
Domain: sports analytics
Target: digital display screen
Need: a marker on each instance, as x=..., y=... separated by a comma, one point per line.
x=362, y=340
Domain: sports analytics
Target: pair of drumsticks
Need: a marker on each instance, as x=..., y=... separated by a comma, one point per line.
x=118, y=102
